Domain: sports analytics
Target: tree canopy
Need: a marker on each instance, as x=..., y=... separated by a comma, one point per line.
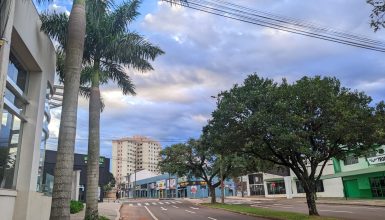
x=300, y=125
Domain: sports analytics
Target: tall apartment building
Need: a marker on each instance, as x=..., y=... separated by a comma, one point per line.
x=134, y=154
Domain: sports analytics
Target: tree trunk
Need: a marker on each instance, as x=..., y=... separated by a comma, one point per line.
x=93, y=149
x=61, y=196
x=310, y=199
x=212, y=194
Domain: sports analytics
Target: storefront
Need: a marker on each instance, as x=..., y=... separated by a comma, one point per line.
x=370, y=185
x=256, y=184
x=362, y=177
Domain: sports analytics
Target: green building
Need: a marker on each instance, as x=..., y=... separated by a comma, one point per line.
x=362, y=177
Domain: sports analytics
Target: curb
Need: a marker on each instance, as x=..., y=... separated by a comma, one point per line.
x=354, y=204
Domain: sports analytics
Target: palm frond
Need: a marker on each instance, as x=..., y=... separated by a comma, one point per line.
x=133, y=50
x=117, y=74
x=60, y=58
x=55, y=25
x=124, y=14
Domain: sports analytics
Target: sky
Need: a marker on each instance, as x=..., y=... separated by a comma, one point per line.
x=206, y=54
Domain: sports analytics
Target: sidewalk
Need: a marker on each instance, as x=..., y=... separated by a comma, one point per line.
x=106, y=209
x=320, y=200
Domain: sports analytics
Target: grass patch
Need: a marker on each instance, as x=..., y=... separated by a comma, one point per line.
x=267, y=213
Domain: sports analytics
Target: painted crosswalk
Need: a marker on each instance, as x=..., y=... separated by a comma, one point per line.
x=152, y=203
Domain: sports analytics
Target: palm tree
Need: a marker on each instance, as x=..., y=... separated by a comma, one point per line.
x=74, y=46
x=72, y=67
x=109, y=48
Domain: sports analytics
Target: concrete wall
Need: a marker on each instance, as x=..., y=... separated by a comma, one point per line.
x=36, y=54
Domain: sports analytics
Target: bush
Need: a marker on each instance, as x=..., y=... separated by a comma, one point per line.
x=76, y=206
x=103, y=218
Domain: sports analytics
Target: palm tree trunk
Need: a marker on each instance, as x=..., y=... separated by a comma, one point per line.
x=65, y=153
x=93, y=148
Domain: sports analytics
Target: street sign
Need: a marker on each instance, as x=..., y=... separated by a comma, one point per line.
x=193, y=189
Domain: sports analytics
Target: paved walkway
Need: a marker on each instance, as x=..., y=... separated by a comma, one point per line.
x=339, y=201
x=106, y=209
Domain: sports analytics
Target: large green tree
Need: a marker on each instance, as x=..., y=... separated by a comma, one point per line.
x=300, y=125
x=109, y=48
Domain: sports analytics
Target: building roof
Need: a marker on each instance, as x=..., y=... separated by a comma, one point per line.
x=372, y=169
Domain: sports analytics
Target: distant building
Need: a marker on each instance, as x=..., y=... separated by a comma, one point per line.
x=170, y=186
x=133, y=154
x=79, y=185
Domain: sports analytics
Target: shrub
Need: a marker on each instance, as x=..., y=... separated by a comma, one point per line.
x=76, y=206
x=103, y=218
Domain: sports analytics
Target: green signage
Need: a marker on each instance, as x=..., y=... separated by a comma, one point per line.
x=101, y=160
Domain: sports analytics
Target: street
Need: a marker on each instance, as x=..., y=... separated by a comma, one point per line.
x=174, y=209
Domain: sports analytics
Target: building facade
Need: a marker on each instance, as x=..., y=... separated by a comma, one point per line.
x=80, y=174
x=130, y=155
x=362, y=177
x=286, y=184
x=170, y=186
x=27, y=69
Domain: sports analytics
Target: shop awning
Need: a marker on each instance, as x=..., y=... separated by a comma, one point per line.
x=355, y=172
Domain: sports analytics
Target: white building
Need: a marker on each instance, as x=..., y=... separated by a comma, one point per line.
x=27, y=70
x=287, y=184
x=133, y=154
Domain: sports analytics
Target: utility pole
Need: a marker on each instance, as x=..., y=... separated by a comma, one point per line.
x=243, y=195
x=134, y=191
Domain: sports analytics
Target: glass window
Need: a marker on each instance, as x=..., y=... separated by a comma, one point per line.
x=378, y=187
x=349, y=160
x=9, y=142
x=11, y=126
x=277, y=187
x=319, y=186
x=16, y=73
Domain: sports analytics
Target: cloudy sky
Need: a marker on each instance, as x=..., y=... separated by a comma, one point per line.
x=206, y=54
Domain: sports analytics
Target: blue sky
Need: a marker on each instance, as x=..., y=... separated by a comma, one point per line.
x=206, y=54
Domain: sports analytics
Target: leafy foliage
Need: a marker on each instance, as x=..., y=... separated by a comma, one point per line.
x=198, y=159
x=300, y=125
x=76, y=206
x=377, y=16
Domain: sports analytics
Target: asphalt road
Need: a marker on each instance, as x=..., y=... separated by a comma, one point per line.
x=174, y=210
x=351, y=212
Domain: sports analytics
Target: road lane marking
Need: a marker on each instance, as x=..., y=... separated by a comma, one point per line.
x=163, y=209
x=160, y=203
x=173, y=202
x=139, y=204
x=130, y=204
x=152, y=215
x=190, y=211
x=178, y=201
x=194, y=208
x=167, y=202
x=335, y=211
x=154, y=203
x=211, y=218
x=175, y=206
x=146, y=203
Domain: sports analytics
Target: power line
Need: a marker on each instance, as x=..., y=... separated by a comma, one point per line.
x=266, y=19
